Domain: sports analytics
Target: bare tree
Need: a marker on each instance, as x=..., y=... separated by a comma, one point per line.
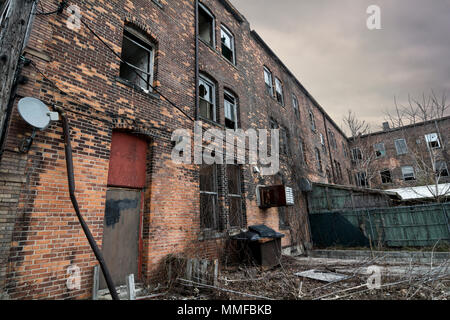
x=430, y=159
x=362, y=149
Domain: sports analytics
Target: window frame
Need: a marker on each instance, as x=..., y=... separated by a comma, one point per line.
x=235, y=196
x=151, y=49
x=278, y=82
x=319, y=160
x=443, y=168
x=429, y=141
x=216, y=213
x=227, y=31
x=296, y=106
x=383, y=151
x=358, y=156
x=413, y=173
x=236, y=121
x=209, y=82
x=266, y=85
x=213, y=26
x=397, y=148
x=312, y=120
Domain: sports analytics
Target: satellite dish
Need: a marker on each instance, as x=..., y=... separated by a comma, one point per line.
x=36, y=113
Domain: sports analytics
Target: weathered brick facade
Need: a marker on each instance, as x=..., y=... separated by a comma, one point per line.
x=417, y=153
x=40, y=235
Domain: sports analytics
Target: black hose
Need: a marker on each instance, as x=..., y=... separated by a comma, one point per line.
x=87, y=232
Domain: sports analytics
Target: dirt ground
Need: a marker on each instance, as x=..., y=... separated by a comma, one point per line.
x=398, y=282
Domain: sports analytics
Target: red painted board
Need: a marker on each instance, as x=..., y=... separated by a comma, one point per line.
x=127, y=162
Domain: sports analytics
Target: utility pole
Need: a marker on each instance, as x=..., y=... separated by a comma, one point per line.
x=15, y=20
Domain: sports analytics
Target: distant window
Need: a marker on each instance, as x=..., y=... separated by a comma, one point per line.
x=279, y=91
x=273, y=123
x=333, y=142
x=322, y=140
x=386, y=176
x=350, y=176
x=227, y=40
x=295, y=106
x=209, y=212
x=401, y=146
x=302, y=150
x=318, y=160
x=207, y=93
x=380, y=150
x=268, y=80
x=344, y=149
x=206, y=25
x=284, y=140
x=231, y=114
x=441, y=168
x=408, y=173
x=312, y=120
x=356, y=154
x=338, y=170
x=361, y=179
x=138, y=56
x=433, y=141
x=328, y=173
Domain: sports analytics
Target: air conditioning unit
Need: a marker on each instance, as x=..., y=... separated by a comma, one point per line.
x=274, y=196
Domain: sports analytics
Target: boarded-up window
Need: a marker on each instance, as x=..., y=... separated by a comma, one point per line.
x=128, y=160
x=209, y=213
x=235, y=196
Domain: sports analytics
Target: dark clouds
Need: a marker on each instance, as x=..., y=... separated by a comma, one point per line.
x=327, y=45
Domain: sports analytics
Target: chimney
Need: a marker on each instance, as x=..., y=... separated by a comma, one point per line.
x=386, y=126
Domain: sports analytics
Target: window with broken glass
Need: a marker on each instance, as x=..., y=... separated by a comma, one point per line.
x=138, y=56
x=268, y=81
x=209, y=209
x=231, y=111
x=228, y=50
x=380, y=150
x=207, y=93
x=386, y=176
x=432, y=140
x=408, y=173
x=235, y=212
x=279, y=91
x=206, y=25
x=441, y=168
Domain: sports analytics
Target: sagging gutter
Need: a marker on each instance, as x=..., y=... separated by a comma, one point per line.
x=87, y=232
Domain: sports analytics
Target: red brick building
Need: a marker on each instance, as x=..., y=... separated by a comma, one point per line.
x=121, y=132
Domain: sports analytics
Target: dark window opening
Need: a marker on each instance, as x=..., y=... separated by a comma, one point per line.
x=138, y=56
x=356, y=154
x=361, y=179
x=206, y=25
x=386, y=176
x=231, y=114
x=441, y=169
x=318, y=160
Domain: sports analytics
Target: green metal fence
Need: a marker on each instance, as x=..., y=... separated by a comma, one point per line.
x=414, y=226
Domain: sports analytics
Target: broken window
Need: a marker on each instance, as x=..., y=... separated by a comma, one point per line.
x=318, y=160
x=386, y=176
x=312, y=120
x=227, y=44
x=138, y=55
x=433, y=141
x=441, y=168
x=279, y=91
x=380, y=150
x=209, y=215
x=361, y=179
x=268, y=80
x=408, y=173
x=231, y=115
x=206, y=25
x=235, y=196
x=295, y=106
x=401, y=146
x=207, y=93
x=356, y=154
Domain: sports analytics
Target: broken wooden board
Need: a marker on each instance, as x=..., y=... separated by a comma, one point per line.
x=321, y=276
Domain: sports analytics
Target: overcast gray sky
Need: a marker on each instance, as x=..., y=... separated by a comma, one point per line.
x=346, y=66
